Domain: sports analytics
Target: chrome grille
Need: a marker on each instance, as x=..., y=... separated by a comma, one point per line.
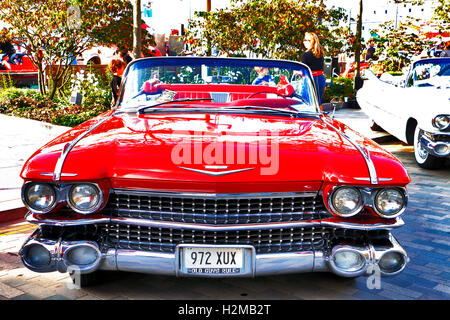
x=124, y=236
x=219, y=209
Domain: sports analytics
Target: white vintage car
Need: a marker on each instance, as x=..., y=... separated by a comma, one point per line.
x=414, y=108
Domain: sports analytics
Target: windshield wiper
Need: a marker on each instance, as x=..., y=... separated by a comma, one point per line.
x=141, y=109
x=293, y=111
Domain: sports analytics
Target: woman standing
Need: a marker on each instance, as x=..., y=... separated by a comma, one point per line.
x=313, y=58
x=116, y=66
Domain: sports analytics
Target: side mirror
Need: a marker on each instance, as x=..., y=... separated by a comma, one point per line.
x=336, y=103
x=76, y=98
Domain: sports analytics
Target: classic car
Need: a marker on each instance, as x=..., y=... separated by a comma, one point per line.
x=415, y=108
x=197, y=172
x=22, y=71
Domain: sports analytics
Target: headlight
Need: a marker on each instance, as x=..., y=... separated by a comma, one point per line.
x=39, y=197
x=442, y=122
x=85, y=198
x=346, y=201
x=390, y=202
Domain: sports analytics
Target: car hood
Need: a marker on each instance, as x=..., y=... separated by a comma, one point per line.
x=174, y=150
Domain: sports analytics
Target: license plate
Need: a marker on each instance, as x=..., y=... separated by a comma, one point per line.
x=198, y=260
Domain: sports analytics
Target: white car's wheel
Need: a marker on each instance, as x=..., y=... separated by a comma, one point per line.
x=423, y=157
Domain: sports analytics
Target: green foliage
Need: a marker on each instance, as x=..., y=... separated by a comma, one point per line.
x=29, y=103
x=441, y=10
x=271, y=29
x=341, y=87
x=398, y=45
x=6, y=81
x=56, y=33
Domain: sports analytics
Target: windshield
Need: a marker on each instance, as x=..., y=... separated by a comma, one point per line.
x=432, y=73
x=216, y=82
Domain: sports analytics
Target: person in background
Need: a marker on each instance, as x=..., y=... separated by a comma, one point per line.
x=263, y=77
x=116, y=66
x=123, y=53
x=370, y=51
x=446, y=51
x=313, y=58
x=7, y=48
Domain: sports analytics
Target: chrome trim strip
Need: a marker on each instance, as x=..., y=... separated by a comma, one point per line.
x=213, y=195
x=364, y=152
x=216, y=173
x=368, y=179
x=68, y=147
x=50, y=174
x=190, y=226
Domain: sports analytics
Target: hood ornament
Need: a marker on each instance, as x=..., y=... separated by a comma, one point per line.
x=216, y=173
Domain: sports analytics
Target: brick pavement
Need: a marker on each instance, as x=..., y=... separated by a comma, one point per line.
x=425, y=236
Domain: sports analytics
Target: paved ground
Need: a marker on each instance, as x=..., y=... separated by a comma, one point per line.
x=425, y=236
x=19, y=139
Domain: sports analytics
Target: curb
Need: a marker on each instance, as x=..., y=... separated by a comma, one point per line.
x=12, y=215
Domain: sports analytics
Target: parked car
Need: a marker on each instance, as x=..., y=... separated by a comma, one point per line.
x=22, y=70
x=197, y=172
x=414, y=108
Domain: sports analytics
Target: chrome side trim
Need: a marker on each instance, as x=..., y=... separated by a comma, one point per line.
x=50, y=174
x=364, y=152
x=68, y=147
x=368, y=179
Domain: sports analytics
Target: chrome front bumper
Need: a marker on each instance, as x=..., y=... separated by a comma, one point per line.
x=435, y=148
x=256, y=264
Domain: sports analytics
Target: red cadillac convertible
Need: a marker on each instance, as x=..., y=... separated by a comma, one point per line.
x=214, y=167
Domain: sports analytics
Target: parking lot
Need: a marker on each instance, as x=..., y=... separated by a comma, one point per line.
x=425, y=237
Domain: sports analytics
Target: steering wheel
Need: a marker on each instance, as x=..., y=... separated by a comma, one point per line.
x=255, y=93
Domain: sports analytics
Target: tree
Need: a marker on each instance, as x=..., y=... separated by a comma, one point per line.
x=441, y=11
x=57, y=31
x=137, y=29
x=358, y=83
x=270, y=29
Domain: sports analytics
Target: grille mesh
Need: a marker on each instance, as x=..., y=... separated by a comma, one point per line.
x=146, y=238
x=217, y=211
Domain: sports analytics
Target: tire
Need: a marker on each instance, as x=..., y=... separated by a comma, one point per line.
x=423, y=158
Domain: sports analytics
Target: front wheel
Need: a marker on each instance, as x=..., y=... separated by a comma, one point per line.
x=423, y=158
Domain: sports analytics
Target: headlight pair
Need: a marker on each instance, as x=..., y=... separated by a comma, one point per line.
x=349, y=201
x=442, y=122
x=83, y=198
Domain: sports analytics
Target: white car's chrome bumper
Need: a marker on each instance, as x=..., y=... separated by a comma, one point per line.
x=431, y=143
